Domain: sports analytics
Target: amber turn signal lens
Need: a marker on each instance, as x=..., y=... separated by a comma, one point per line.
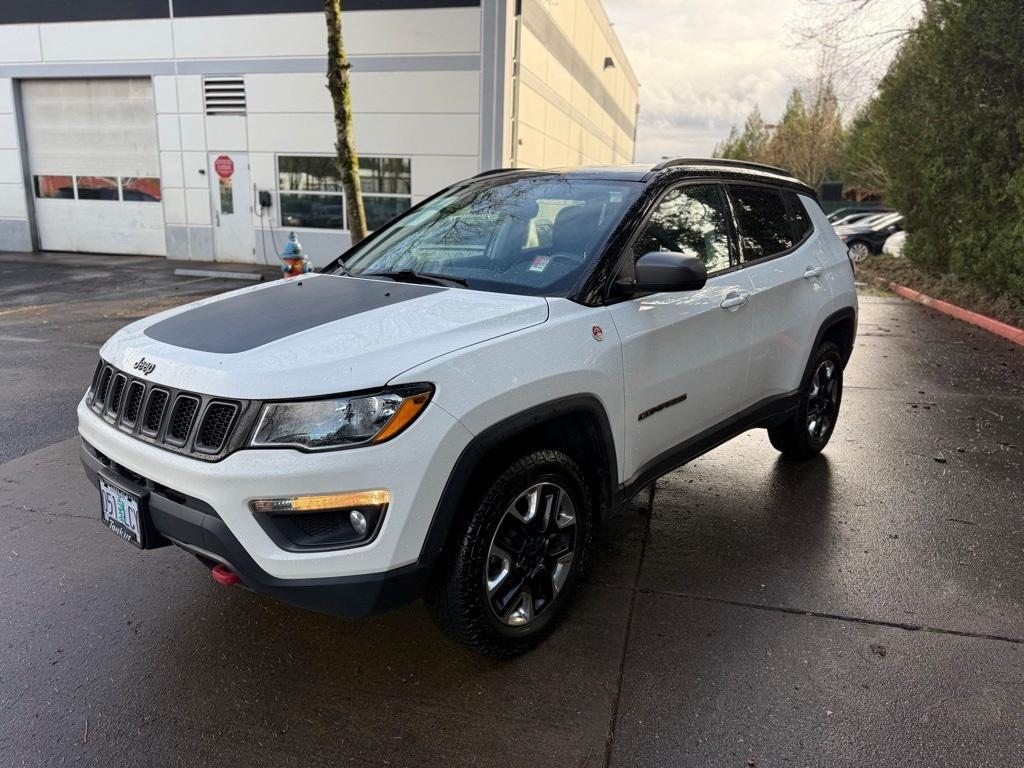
x=407, y=411
x=376, y=498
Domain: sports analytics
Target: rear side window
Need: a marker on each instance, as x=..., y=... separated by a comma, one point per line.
x=690, y=220
x=762, y=222
x=799, y=221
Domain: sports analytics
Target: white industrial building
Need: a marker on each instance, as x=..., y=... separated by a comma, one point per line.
x=158, y=126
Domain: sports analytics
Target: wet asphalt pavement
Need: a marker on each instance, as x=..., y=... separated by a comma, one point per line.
x=863, y=609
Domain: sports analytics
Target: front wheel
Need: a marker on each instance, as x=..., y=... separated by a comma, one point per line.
x=516, y=560
x=806, y=433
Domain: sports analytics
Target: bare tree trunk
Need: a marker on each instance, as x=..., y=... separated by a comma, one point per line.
x=338, y=85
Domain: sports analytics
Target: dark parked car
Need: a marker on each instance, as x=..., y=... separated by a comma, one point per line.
x=867, y=236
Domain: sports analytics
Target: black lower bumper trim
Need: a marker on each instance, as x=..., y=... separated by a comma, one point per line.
x=202, y=532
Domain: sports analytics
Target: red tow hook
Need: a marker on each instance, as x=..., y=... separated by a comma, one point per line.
x=224, y=575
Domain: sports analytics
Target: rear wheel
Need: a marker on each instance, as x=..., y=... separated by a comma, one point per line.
x=859, y=251
x=512, y=569
x=806, y=433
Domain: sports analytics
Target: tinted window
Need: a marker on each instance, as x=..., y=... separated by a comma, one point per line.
x=692, y=221
x=800, y=222
x=763, y=228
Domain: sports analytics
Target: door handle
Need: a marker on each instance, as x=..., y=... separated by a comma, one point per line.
x=813, y=272
x=735, y=300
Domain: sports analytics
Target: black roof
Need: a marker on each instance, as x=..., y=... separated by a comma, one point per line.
x=670, y=168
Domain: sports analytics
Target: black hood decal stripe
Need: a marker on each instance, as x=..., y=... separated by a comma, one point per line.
x=241, y=323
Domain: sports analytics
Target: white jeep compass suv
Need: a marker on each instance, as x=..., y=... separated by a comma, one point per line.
x=450, y=408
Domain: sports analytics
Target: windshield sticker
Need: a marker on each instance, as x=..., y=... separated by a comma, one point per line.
x=540, y=263
x=614, y=197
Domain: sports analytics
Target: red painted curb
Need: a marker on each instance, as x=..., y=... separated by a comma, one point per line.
x=1010, y=332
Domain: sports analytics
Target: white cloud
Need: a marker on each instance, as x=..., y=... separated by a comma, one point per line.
x=704, y=64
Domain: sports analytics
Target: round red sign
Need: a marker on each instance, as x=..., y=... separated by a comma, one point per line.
x=224, y=166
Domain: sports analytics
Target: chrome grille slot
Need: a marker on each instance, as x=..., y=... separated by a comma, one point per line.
x=155, y=412
x=214, y=429
x=133, y=403
x=95, y=381
x=182, y=416
x=116, y=392
x=103, y=388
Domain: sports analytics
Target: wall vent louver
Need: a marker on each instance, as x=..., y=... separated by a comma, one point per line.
x=224, y=95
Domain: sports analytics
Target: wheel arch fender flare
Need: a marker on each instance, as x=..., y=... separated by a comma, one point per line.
x=503, y=433
x=844, y=318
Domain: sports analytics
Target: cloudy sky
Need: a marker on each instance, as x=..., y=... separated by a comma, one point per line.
x=704, y=64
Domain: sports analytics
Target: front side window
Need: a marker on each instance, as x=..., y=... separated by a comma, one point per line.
x=311, y=194
x=691, y=220
x=761, y=222
x=531, y=235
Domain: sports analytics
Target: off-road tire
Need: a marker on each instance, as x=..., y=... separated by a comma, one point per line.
x=794, y=437
x=457, y=597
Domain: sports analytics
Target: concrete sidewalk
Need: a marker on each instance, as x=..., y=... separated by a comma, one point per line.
x=861, y=609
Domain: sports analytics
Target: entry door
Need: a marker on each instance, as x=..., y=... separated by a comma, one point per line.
x=685, y=354
x=788, y=290
x=231, y=195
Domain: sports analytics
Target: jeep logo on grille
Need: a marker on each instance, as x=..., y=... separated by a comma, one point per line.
x=145, y=366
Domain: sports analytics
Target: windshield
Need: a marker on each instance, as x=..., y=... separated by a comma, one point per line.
x=530, y=235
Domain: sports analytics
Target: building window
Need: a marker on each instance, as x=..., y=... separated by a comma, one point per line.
x=144, y=189
x=141, y=189
x=311, y=194
x=386, y=183
x=97, y=187
x=55, y=187
x=227, y=196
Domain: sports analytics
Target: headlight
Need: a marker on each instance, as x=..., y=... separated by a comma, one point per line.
x=341, y=422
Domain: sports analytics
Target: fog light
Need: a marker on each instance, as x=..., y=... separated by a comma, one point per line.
x=323, y=522
x=358, y=521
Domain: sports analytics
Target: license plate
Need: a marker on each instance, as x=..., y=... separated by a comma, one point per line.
x=122, y=512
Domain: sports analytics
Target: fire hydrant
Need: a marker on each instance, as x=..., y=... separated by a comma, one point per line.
x=293, y=260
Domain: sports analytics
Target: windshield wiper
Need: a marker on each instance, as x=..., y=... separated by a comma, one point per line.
x=412, y=276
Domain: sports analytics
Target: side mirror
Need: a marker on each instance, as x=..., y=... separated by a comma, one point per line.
x=666, y=271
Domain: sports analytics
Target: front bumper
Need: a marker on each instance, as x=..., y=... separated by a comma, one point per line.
x=413, y=469
x=193, y=526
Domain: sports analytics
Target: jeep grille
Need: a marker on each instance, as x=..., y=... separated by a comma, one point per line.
x=189, y=423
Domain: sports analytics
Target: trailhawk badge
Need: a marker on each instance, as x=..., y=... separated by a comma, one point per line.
x=145, y=366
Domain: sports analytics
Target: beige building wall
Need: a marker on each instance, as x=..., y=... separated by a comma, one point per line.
x=574, y=93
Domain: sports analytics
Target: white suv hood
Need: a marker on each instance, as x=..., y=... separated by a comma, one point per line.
x=318, y=335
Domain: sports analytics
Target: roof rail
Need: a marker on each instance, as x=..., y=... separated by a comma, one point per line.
x=719, y=161
x=496, y=170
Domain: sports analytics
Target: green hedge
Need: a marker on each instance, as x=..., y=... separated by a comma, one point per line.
x=948, y=127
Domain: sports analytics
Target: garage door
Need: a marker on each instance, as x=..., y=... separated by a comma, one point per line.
x=92, y=151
